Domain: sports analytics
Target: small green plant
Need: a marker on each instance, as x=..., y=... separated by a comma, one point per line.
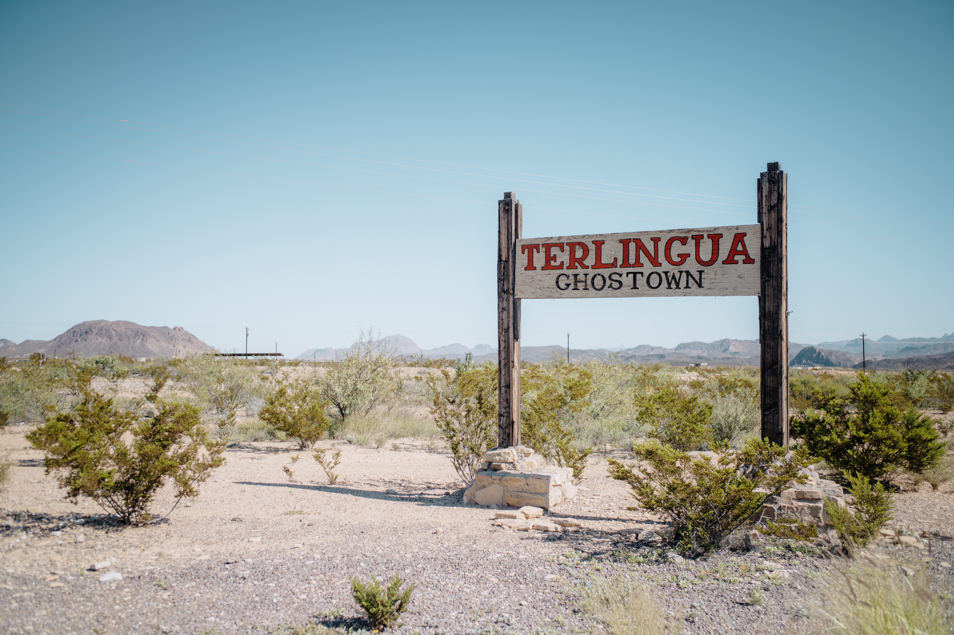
x=756, y=597
x=464, y=406
x=623, y=606
x=941, y=391
x=789, y=529
x=382, y=604
x=120, y=459
x=867, y=434
x=706, y=498
x=872, y=599
x=676, y=418
x=872, y=509
x=328, y=460
x=297, y=410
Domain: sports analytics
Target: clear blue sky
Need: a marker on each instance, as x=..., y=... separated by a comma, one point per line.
x=312, y=169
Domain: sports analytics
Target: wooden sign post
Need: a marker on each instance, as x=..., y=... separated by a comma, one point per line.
x=721, y=261
x=773, y=303
x=510, y=215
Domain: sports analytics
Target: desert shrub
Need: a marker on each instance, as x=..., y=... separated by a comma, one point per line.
x=108, y=366
x=222, y=386
x=872, y=599
x=943, y=470
x=357, y=382
x=120, y=459
x=941, y=391
x=28, y=391
x=705, y=498
x=297, y=410
x=808, y=389
x=4, y=418
x=736, y=410
x=551, y=396
x=676, y=418
x=910, y=387
x=464, y=406
x=624, y=606
x=872, y=509
x=867, y=434
x=382, y=604
x=607, y=415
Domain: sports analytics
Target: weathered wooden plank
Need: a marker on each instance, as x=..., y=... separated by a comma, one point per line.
x=772, y=192
x=508, y=360
x=718, y=261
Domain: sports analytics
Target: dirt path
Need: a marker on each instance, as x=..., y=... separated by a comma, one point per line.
x=258, y=550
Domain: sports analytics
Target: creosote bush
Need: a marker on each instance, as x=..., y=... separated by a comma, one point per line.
x=464, y=407
x=867, y=433
x=120, y=459
x=872, y=509
x=552, y=395
x=296, y=410
x=382, y=604
x=706, y=497
x=676, y=417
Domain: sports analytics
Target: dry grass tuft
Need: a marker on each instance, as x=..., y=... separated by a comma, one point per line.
x=873, y=599
x=624, y=606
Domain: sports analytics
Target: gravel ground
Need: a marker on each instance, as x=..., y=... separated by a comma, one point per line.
x=257, y=552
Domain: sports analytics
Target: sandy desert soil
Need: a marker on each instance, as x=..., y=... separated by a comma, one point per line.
x=258, y=551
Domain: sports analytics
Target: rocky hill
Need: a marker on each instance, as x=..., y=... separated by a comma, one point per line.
x=104, y=337
x=812, y=356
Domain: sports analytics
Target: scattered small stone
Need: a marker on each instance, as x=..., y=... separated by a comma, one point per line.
x=509, y=513
x=255, y=539
x=566, y=522
x=529, y=511
x=910, y=541
x=649, y=536
x=99, y=566
x=112, y=576
x=543, y=524
x=672, y=556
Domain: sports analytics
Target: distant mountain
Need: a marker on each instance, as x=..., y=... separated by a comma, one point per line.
x=811, y=356
x=893, y=347
x=942, y=361
x=104, y=337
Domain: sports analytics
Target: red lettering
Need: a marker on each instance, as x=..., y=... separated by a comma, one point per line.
x=598, y=257
x=530, y=251
x=680, y=258
x=714, y=250
x=575, y=261
x=640, y=247
x=736, y=249
x=549, y=258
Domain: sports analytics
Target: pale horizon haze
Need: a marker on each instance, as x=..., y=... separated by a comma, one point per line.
x=312, y=170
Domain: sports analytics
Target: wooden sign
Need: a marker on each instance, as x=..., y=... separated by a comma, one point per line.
x=742, y=260
x=679, y=262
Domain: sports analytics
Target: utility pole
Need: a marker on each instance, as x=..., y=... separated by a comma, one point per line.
x=246, y=342
x=864, y=364
x=568, y=349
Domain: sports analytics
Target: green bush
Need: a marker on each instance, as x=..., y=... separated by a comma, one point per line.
x=607, y=415
x=120, y=459
x=705, y=498
x=382, y=604
x=464, y=406
x=357, y=382
x=676, y=418
x=223, y=386
x=867, y=434
x=872, y=509
x=551, y=396
x=296, y=410
x=941, y=391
